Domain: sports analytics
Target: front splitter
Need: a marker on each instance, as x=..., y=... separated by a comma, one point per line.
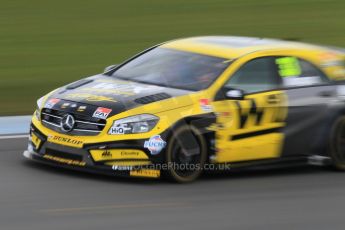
x=115, y=170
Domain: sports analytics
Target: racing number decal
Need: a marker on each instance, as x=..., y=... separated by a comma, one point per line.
x=257, y=112
x=253, y=111
x=250, y=129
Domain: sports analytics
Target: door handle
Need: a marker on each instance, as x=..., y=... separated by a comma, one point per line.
x=326, y=94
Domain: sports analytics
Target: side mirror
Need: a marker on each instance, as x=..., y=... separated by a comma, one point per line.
x=235, y=94
x=108, y=68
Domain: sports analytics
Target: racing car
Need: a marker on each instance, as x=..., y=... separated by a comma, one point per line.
x=200, y=103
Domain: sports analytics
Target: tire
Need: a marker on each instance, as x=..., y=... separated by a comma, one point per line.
x=186, y=154
x=337, y=144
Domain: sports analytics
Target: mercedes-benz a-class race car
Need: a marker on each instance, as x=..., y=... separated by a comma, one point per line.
x=197, y=104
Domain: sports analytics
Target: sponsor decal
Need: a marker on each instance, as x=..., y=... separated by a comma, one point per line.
x=65, y=105
x=81, y=108
x=102, y=113
x=155, y=144
x=51, y=102
x=65, y=141
x=130, y=153
x=64, y=160
x=107, y=154
x=117, y=130
x=117, y=154
x=89, y=97
x=145, y=173
x=205, y=105
x=301, y=81
x=121, y=168
x=330, y=59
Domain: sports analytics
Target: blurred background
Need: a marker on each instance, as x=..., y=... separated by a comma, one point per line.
x=46, y=44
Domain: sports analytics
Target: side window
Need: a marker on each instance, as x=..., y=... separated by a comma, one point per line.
x=297, y=72
x=255, y=76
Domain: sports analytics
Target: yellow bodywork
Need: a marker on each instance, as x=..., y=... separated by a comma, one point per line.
x=227, y=122
x=145, y=173
x=36, y=141
x=228, y=126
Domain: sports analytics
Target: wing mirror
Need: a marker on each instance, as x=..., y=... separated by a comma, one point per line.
x=108, y=68
x=234, y=94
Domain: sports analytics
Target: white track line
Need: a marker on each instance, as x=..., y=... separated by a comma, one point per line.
x=14, y=136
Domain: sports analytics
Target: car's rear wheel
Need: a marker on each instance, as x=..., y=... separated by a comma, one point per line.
x=337, y=144
x=186, y=154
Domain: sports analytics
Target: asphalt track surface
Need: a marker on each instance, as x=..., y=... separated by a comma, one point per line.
x=34, y=196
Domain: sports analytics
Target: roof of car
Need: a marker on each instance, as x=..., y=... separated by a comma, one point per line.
x=231, y=46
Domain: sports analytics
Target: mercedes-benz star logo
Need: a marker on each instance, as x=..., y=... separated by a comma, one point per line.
x=67, y=123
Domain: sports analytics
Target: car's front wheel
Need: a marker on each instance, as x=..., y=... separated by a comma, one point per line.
x=186, y=154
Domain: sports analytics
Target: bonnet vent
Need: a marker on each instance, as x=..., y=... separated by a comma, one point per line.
x=152, y=98
x=77, y=84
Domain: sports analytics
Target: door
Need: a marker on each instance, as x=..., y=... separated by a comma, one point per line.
x=309, y=94
x=251, y=128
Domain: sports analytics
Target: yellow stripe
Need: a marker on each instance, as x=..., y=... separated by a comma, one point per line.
x=35, y=140
x=117, y=154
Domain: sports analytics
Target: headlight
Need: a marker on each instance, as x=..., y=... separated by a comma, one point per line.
x=38, y=114
x=40, y=103
x=135, y=124
x=39, y=107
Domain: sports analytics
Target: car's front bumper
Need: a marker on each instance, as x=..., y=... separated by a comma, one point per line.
x=40, y=149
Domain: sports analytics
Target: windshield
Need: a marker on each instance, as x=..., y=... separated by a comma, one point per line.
x=173, y=68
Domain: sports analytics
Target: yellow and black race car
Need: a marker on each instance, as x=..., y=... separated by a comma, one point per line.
x=197, y=104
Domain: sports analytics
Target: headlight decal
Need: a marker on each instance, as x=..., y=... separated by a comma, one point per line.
x=136, y=124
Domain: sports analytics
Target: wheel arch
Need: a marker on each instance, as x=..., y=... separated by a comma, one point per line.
x=202, y=124
x=321, y=143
